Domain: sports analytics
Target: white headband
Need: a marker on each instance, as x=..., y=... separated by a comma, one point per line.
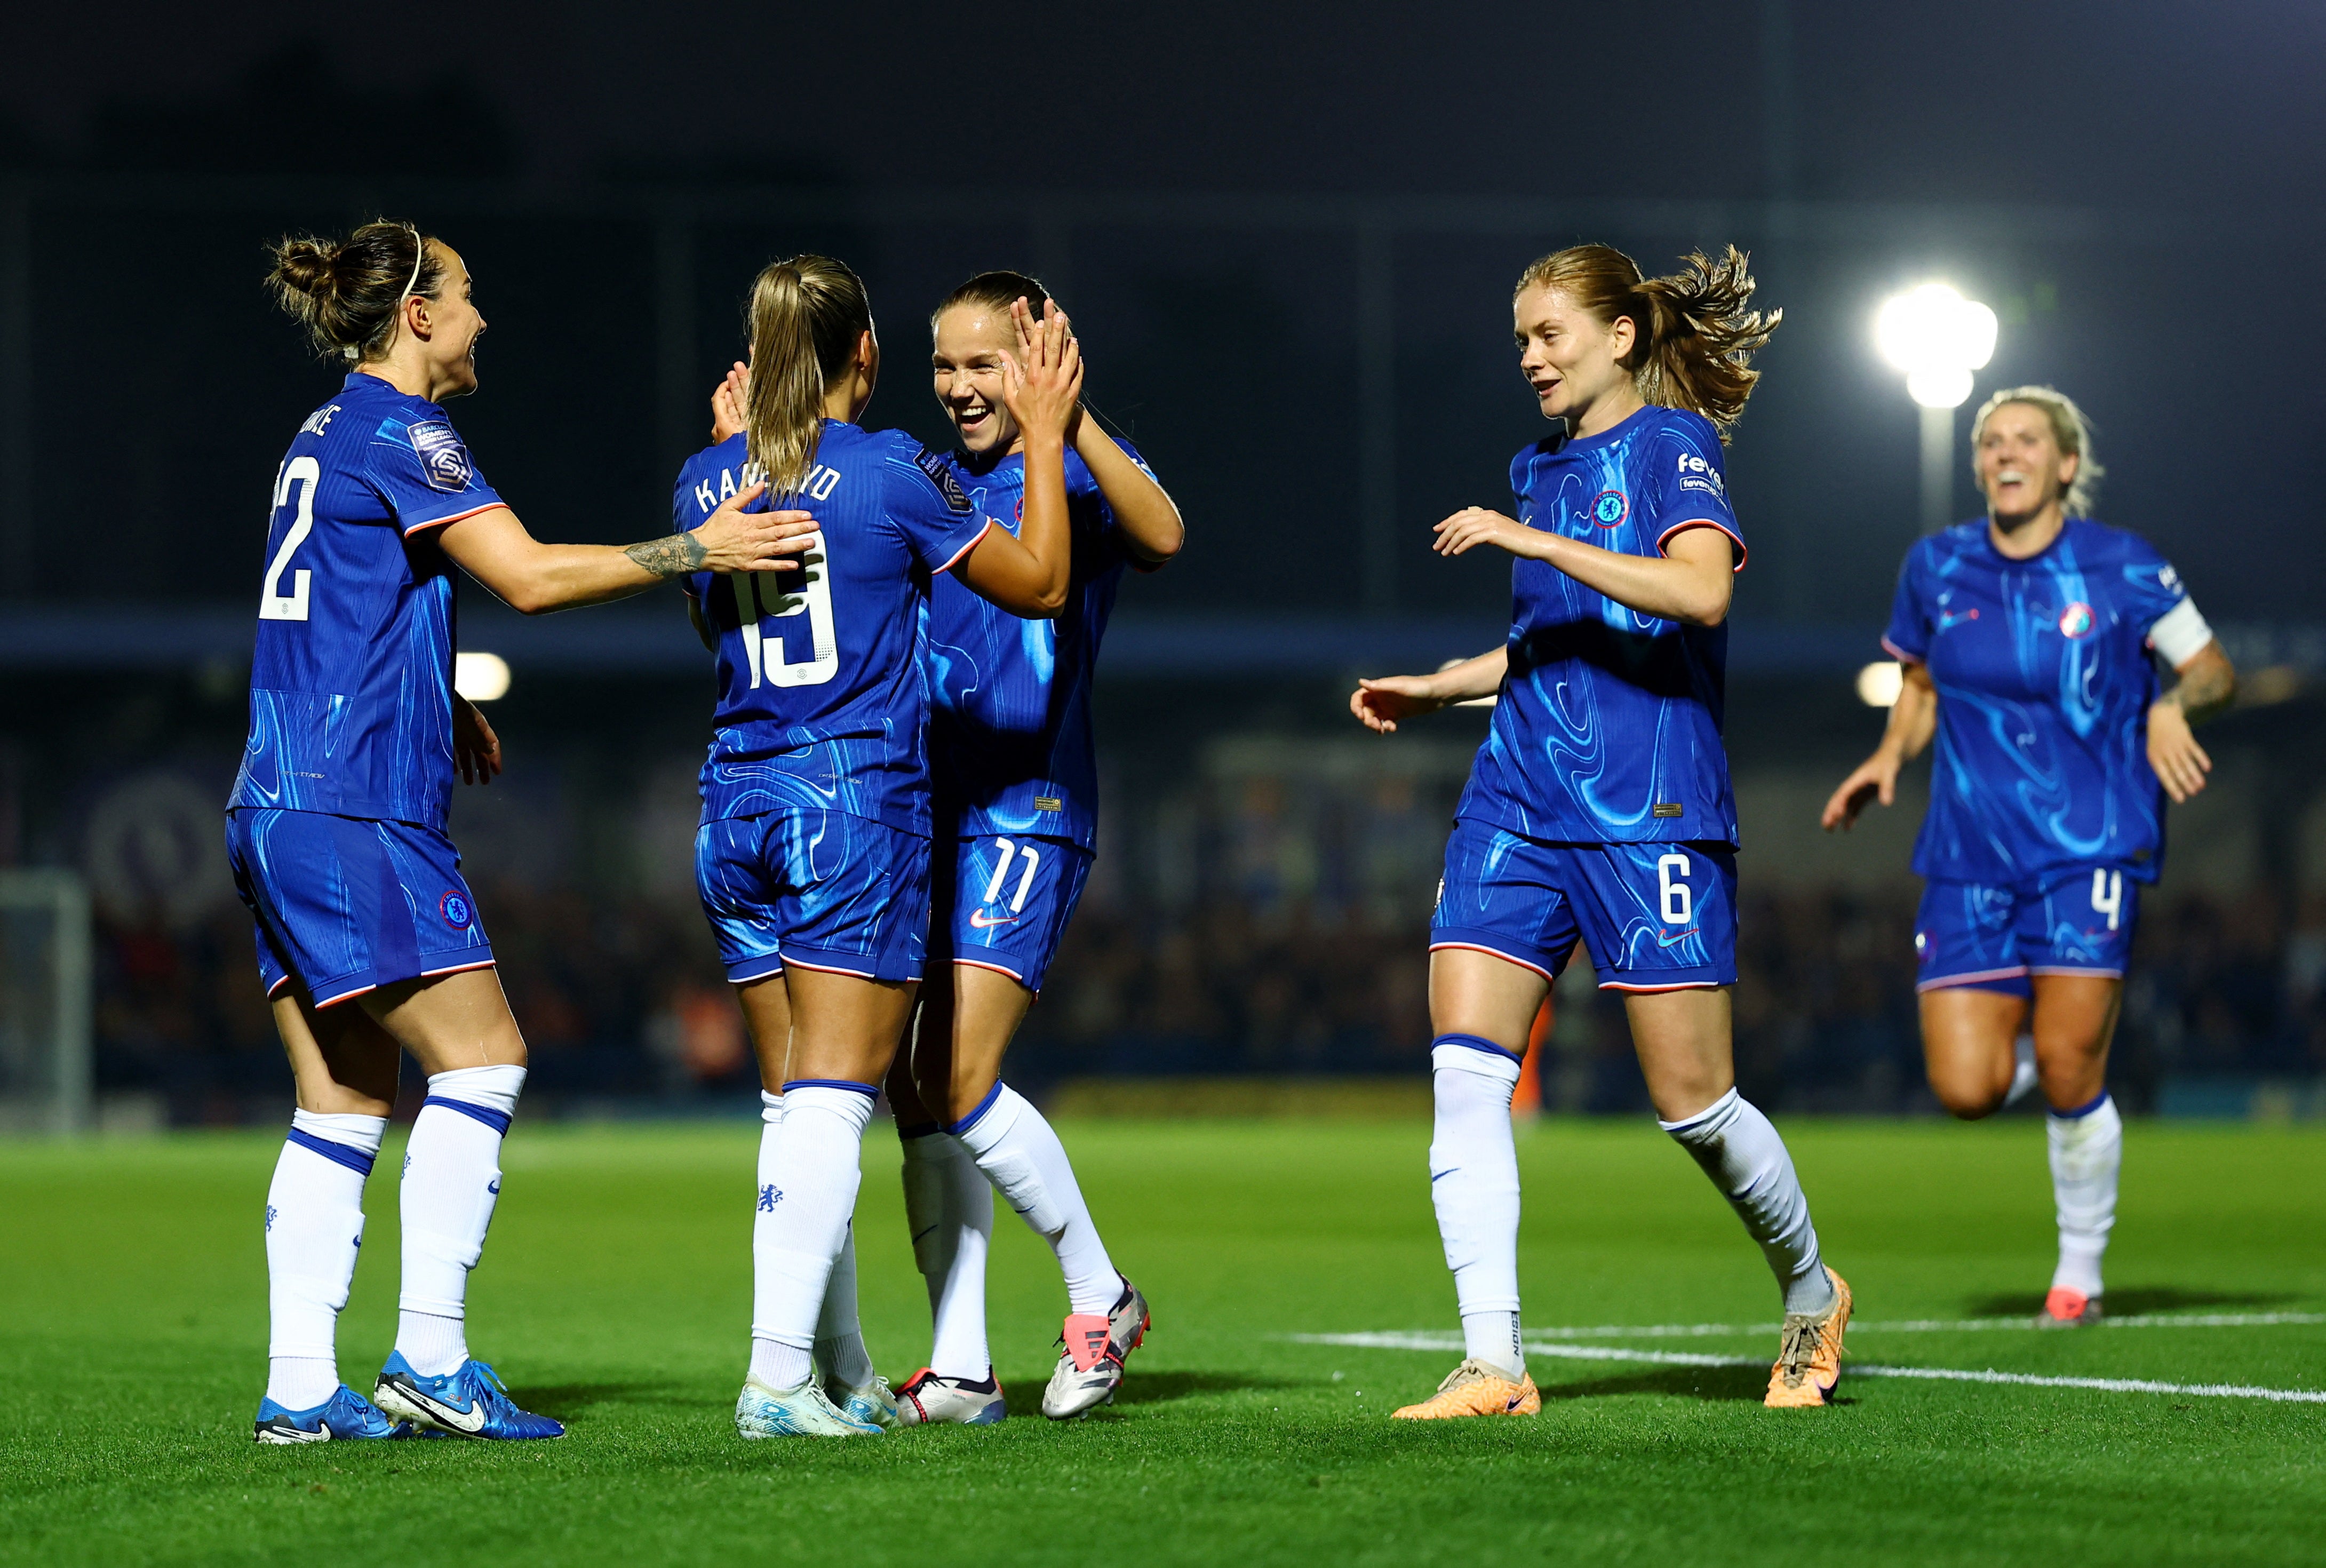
x=419, y=259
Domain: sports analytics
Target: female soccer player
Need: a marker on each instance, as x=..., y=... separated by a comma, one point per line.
x=1016, y=778
x=814, y=853
x=368, y=939
x=1599, y=805
x=2027, y=639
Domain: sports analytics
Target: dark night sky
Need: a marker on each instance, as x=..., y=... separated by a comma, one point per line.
x=2136, y=102
x=2197, y=135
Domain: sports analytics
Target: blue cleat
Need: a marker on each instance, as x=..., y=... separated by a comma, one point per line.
x=470, y=1401
x=346, y=1416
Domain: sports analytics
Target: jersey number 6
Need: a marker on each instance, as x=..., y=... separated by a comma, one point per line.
x=1679, y=904
x=273, y=604
x=752, y=603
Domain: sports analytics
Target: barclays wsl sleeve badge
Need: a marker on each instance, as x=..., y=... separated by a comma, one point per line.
x=443, y=460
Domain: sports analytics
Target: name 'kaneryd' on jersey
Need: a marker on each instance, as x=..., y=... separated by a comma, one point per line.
x=822, y=688
x=1608, y=730
x=1010, y=745
x=2044, y=683
x=352, y=676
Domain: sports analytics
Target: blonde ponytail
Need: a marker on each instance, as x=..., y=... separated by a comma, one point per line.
x=808, y=314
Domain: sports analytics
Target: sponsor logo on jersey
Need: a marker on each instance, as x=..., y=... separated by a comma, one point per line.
x=456, y=911
x=443, y=460
x=1698, y=474
x=1610, y=507
x=940, y=475
x=2076, y=619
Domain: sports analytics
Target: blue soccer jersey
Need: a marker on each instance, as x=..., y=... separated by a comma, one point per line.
x=1608, y=730
x=2044, y=683
x=823, y=682
x=351, y=679
x=1010, y=737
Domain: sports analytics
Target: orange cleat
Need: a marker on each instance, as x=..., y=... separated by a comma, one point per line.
x=1808, y=1356
x=2067, y=1309
x=1474, y=1388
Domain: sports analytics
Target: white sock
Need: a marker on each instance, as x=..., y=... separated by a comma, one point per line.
x=1019, y=1155
x=2087, y=1148
x=949, y=1207
x=1473, y=1181
x=451, y=1180
x=1746, y=1160
x=2022, y=1069
x=314, y=1229
x=807, y=1196
x=838, y=1340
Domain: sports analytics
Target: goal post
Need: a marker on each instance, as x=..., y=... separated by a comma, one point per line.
x=46, y=979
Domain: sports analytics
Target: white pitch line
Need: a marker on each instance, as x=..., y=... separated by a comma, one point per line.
x=1420, y=1341
x=1927, y=1326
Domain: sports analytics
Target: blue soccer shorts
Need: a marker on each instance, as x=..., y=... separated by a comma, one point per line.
x=1655, y=917
x=1995, y=938
x=345, y=905
x=1003, y=903
x=823, y=889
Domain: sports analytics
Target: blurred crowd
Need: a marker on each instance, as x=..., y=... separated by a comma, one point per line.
x=622, y=1002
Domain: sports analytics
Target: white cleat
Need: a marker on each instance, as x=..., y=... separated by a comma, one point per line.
x=1091, y=1370
x=929, y=1400
x=873, y=1402
x=801, y=1411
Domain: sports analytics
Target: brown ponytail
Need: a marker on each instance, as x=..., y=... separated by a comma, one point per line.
x=349, y=294
x=1694, y=337
x=808, y=315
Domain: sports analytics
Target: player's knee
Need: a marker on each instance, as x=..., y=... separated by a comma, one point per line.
x=1966, y=1102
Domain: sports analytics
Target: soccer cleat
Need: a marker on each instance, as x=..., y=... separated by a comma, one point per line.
x=1808, y=1354
x=345, y=1415
x=929, y=1400
x=1474, y=1388
x=470, y=1401
x=805, y=1410
x=2067, y=1309
x=874, y=1403
x=1091, y=1370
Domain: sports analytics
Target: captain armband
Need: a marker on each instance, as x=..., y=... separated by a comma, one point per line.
x=2180, y=633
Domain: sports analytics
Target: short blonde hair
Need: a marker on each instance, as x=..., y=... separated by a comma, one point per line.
x=2070, y=429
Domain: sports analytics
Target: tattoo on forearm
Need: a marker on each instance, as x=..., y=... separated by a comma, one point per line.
x=2204, y=691
x=673, y=556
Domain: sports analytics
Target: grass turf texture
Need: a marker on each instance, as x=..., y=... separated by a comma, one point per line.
x=615, y=1294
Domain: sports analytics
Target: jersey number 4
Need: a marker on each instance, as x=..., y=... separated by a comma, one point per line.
x=273, y=604
x=765, y=655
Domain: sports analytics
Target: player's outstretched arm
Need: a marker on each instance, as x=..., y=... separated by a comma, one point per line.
x=2208, y=684
x=1913, y=720
x=494, y=547
x=1028, y=573
x=1379, y=704
x=1692, y=581
x=1150, y=520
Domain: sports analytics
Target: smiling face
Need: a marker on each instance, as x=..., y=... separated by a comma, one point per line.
x=1569, y=357
x=972, y=344
x=2021, y=467
x=454, y=325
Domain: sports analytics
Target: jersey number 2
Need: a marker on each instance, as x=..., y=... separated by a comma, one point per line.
x=766, y=656
x=273, y=604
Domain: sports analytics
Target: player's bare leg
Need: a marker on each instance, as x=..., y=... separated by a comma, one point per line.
x=458, y=1028
x=964, y=1032
x=1481, y=1009
x=843, y=1032
x=1684, y=1043
x=345, y=1068
x=845, y=1367
x=1968, y=1037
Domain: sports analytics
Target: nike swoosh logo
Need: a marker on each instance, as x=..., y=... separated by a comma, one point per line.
x=979, y=921
x=1681, y=937
x=469, y=1420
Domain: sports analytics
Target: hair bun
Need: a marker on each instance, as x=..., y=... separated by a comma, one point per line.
x=308, y=267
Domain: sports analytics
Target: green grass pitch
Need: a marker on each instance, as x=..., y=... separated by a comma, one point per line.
x=615, y=1294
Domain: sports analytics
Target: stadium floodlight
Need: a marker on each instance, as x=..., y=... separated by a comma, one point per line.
x=481, y=677
x=1938, y=338
x=1879, y=683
